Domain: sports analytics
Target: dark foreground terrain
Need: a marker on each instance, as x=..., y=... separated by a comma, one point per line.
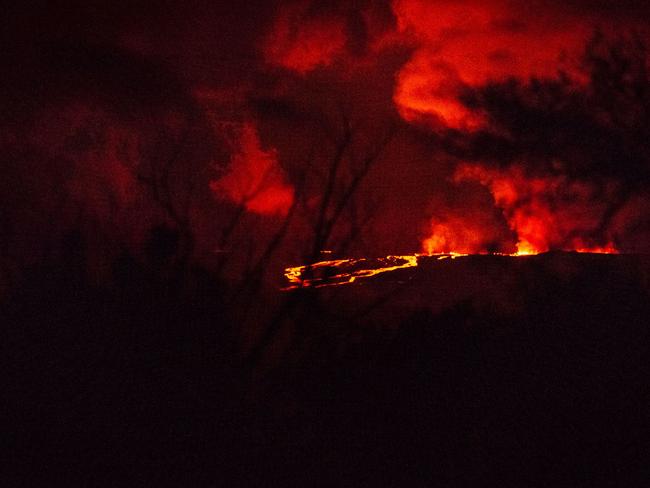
x=480, y=371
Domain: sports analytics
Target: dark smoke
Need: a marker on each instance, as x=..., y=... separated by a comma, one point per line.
x=592, y=133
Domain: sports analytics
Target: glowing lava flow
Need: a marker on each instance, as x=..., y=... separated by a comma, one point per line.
x=526, y=249
x=345, y=271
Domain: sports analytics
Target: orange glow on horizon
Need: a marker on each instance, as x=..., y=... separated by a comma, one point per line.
x=608, y=249
x=543, y=212
x=339, y=272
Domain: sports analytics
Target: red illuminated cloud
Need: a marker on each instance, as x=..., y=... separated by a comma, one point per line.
x=462, y=44
x=428, y=90
x=301, y=43
x=255, y=178
x=455, y=45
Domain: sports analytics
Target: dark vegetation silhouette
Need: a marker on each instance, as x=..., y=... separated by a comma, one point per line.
x=142, y=377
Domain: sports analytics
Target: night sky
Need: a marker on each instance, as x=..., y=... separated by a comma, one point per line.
x=497, y=126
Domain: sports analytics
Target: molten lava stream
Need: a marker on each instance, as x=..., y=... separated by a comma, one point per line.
x=345, y=271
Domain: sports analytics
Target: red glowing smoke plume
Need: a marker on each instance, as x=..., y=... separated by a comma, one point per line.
x=545, y=213
x=255, y=178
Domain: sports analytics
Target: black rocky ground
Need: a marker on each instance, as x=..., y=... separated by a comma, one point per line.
x=477, y=371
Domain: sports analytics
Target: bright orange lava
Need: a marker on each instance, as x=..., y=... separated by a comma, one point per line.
x=342, y=271
x=345, y=271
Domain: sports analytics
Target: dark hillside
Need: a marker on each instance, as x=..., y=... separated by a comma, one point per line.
x=139, y=382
